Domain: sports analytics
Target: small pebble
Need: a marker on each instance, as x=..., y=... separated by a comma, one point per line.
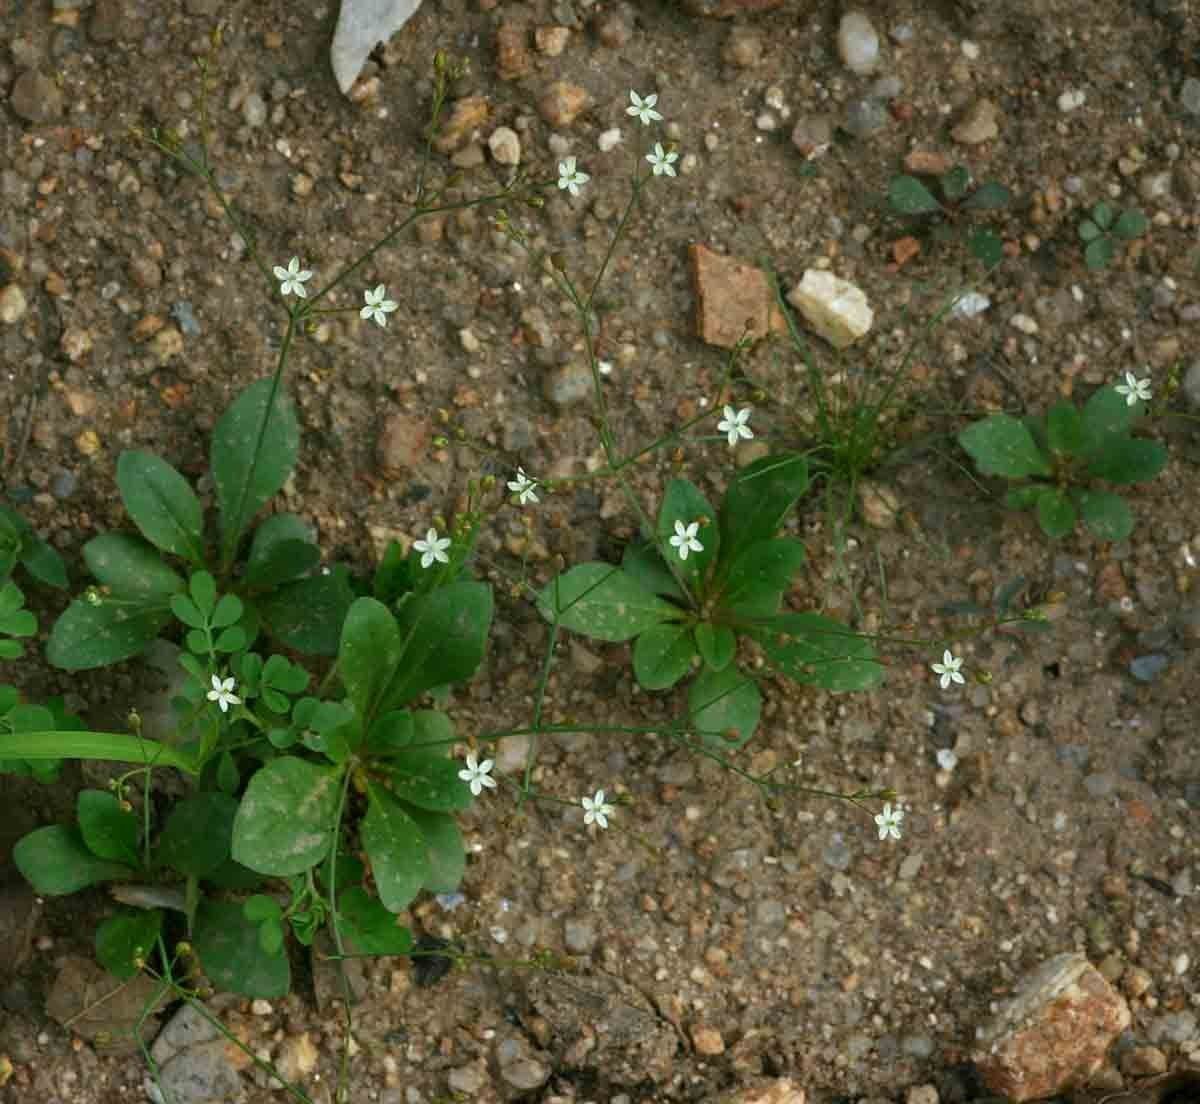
x=1148, y=667
x=1023, y=323
x=742, y=48
x=865, y=117
x=608, y=139
x=970, y=50
x=35, y=97
x=12, y=305
x=1071, y=99
x=1189, y=96
x=182, y=313
x=858, y=43
x=254, y=110
x=970, y=305
x=261, y=1007
x=505, y=146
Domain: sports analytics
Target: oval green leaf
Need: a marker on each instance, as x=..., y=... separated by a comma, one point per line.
x=124, y=939
x=308, y=615
x=131, y=567
x=56, y=861
x=232, y=953
x=162, y=504
x=758, y=500
x=1003, y=445
x=87, y=636
x=601, y=601
x=369, y=927
x=760, y=576
x=683, y=506
x=662, y=655
x=1055, y=513
x=369, y=653
x=198, y=836
x=724, y=707
x=908, y=196
x=819, y=651
x=396, y=848
x=1128, y=460
x=284, y=824
x=716, y=645
x=108, y=830
x=1107, y=515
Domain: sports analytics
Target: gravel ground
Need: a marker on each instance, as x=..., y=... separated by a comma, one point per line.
x=729, y=939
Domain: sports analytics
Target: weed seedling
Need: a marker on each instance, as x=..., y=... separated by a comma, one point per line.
x=910, y=198
x=1103, y=229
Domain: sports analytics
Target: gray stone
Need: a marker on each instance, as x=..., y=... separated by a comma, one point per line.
x=1191, y=384
x=199, y=1075
x=1176, y=1027
x=1101, y=784
x=254, y=110
x=187, y=1028
x=1189, y=96
x=1146, y=668
x=836, y=853
x=858, y=43
x=864, y=117
x=182, y=313
x=580, y=936
x=63, y=483
x=916, y=1046
x=568, y=384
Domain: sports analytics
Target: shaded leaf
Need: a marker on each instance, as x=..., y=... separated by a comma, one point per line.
x=908, y=196
x=232, y=954
x=724, y=707
x=601, y=601
x=124, y=939
x=1003, y=445
x=131, y=567
x=308, y=615
x=198, y=834
x=1106, y=514
x=282, y=550
x=662, y=655
x=1064, y=428
x=162, y=504
x=683, y=503
x=819, y=651
x=369, y=653
x=716, y=644
x=284, y=824
x=1128, y=460
x=396, y=848
x=758, y=500
x=56, y=861
x=367, y=924
x=760, y=576
x=108, y=830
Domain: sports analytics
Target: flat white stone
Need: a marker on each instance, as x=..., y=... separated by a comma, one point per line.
x=834, y=308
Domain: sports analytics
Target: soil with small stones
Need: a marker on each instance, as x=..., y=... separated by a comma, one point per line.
x=747, y=938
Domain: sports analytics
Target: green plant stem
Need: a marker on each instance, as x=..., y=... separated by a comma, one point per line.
x=335, y=925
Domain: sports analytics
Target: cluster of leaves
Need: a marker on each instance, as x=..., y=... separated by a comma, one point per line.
x=1058, y=455
x=1103, y=228
x=688, y=613
x=254, y=450
x=909, y=197
x=282, y=782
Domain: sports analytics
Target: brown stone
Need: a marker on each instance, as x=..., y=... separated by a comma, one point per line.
x=733, y=299
x=512, y=52
x=551, y=41
x=780, y=1091
x=927, y=162
x=466, y=116
x=402, y=443
x=1053, y=1033
x=562, y=103
x=101, y=1008
x=904, y=250
x=980, y=124
x=707, y=1041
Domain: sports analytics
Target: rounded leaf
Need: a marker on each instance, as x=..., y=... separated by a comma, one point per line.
x=1106, y=515
x=232, y=953
x=1055, y=513
x=662, y=655
x=284, y=824
x=162, y=504
x=1128, y=460
x=396, y=848
x=603, y=602
x=127, y=939
x=1003, y=445
x=724, y=707
x=908, y=196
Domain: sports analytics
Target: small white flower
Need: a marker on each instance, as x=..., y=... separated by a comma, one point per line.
x=291, y=279
x=571, y=178
x=222, y=693
x=523, y=488
x=377, y=306
x=595, y=811
x=1134, y=389
x=661, y=161
x=477, y=774
x=949, y=669
x=889, y=822
x=685, y=539
x=733, y=425
x=432, y=548
x=643, y=109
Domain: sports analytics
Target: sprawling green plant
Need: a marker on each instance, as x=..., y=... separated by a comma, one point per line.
x=707, y=578
x=910, y=198
x=1103, y=228
x=1060, y=456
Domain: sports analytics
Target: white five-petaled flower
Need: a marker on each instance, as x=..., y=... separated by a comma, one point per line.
x=733, y=425
x=477, y=774
x=661, y=161
x=291, y=279
x=222, y=693
x=596, y=811
x=1134, y=389
x=889, y=822
x=432, y=548
x=643, y=109
x=378, y=307
x=523, y=488
x=949, y=669
x=571, y=178
x=685, y=539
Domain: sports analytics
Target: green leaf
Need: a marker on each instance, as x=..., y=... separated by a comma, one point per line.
x=758, y=499
x=1105, y=415
x=601, y=601
x=1102, y=215
x=433, y=729
x=198, y=833
x=282, y=550
x=684, y=504
x=1131, y=224
x=986, y=247
x=908, y=196
x=427, y=779
x=369, y=926
x=819, y=651
x=162, y=504
x=185, y=610
x=662, y=655
x=108, y=830
x=760, y=576
x=369, y=654
x=1106, y=514
x=1064, y=428
x=87, y=636
x=113, y=747
x=954, y=184
x=232, y=954
x=308, y=615
x=390, y=733
x=228, y=612
x=261, y=908
x=1128, y=460
x=989, y=197
x=724, y=707
x=1003, y=445
x=38, y=558
x=228, y=776
x=1055, y=513
x=444, y=846
x=284, y=675
x=716, y=645
x=254, y=449
x=15, y=621
x=284, y=824
x=396, y=848
x=1099, y=252
x=642, y=562
x=1089, y=231
x=131, y=567
x=124, y=939
x=270, y=936
x=55, y=861
x=1023, y=498
x=445, y=634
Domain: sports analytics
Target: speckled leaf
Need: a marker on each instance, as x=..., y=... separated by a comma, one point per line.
x=396, y=848
x=285, y=821
x=758, y=500
x=662, y=655
x=1128, y=460
x=724, y=707
x=819, y=651
x=444, y=846
x=428, y=779
x=369, y=654
x=1055, y=513
x=131, y=567
x=1003, y=445
x=367, y=924
x=232, y=954
x=87, y=636
x=1106, y=514
x=601, y=601
x=162, y=504
x=1105, y=415
x=55, y=861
